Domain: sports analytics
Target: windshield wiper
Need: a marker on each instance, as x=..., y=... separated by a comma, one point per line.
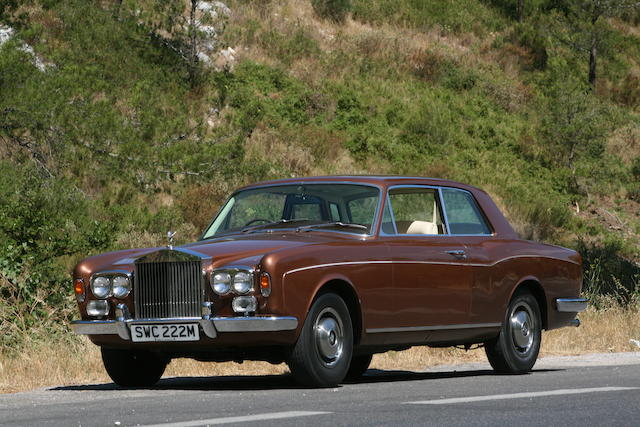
x=271, y=224
x=310, y=227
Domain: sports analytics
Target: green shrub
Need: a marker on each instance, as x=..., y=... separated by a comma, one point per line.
x=335, y=10
x=608, y=273
x=44, y=223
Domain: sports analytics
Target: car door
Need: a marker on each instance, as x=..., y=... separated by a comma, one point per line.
x=470, y=225
x=431, y=277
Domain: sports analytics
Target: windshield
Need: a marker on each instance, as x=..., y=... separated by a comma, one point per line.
x=348, y=208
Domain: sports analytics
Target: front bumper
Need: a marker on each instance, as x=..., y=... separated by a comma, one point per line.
x=210, y=326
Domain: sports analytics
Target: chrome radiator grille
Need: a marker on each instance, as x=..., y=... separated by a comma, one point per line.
x=168, y=289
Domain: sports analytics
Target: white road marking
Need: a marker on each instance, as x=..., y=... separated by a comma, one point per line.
x=519, y=395
x=240, y=419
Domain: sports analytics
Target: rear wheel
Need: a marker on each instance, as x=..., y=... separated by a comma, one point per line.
x=129, y=368
x=516, y=348
x=359, y=365
x=322, y=354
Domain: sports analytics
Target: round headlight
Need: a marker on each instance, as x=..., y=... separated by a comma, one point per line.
x=121, y=286
x=101, y=287
x=242, y=282
x=221, y=283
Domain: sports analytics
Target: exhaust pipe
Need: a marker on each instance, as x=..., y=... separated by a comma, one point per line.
x=575, y=322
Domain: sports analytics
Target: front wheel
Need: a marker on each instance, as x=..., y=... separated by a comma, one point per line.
x=322, y=354
x=516, y=348
x=129, y=368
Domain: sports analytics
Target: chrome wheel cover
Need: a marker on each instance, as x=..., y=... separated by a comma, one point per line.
x=329, y=336
x=523, y=328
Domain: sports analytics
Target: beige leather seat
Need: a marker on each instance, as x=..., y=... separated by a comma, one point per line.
x=422, y=227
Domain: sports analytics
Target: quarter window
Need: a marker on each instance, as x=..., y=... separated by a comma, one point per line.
x=387, y=221
x=463, y=214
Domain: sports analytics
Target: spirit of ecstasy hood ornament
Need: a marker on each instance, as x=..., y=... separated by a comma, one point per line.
x=170, y=235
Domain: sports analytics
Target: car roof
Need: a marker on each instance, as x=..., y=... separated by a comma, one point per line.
x=377, y=180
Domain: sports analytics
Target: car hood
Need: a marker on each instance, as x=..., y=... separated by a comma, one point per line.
x=244, y=249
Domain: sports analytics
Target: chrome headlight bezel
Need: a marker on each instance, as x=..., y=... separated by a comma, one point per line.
x=108, y=284
x=233, y=280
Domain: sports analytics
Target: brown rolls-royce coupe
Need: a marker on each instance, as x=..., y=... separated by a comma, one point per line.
x=322, y=273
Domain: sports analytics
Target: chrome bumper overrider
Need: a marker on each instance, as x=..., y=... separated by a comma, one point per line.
x=571, y=305
x=210, y=327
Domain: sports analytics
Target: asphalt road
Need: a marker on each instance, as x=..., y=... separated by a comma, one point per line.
x=584, y=391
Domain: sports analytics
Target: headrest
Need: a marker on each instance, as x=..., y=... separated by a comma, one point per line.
x=422, y=227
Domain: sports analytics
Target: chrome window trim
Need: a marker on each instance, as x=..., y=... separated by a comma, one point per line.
x=374, y=223
x=434, y=328
x=393, y=218
x=444, y=211
x=483, y=215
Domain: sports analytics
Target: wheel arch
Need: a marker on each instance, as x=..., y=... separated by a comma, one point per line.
x=533, y=286
x=345, y=290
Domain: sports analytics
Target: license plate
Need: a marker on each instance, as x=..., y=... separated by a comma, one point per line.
x=168, y=332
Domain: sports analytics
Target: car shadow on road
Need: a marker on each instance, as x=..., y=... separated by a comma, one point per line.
x=284, y=381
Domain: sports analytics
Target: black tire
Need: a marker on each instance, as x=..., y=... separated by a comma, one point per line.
x=129, y=368
x=516, y=348
x=322, y=354
x=359, y=365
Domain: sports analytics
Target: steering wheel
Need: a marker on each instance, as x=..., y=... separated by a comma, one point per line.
x=266, y=221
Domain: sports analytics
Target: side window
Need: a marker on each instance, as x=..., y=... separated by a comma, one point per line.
x=463, y=213
x=416, y=210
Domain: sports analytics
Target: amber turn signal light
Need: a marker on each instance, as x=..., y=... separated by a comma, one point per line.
x=265, y=284
x=78, y=288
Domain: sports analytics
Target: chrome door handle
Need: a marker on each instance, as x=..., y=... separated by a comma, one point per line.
x=458, y=253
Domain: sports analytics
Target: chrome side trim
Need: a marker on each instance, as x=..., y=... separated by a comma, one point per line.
x=571, y=305
x=255, y=324
x=433, y=328
x=333, y=264
x=444, y=211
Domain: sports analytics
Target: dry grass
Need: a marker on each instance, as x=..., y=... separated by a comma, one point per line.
x=47, y=364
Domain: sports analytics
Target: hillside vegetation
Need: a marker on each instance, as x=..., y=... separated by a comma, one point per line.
x=113, y=131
